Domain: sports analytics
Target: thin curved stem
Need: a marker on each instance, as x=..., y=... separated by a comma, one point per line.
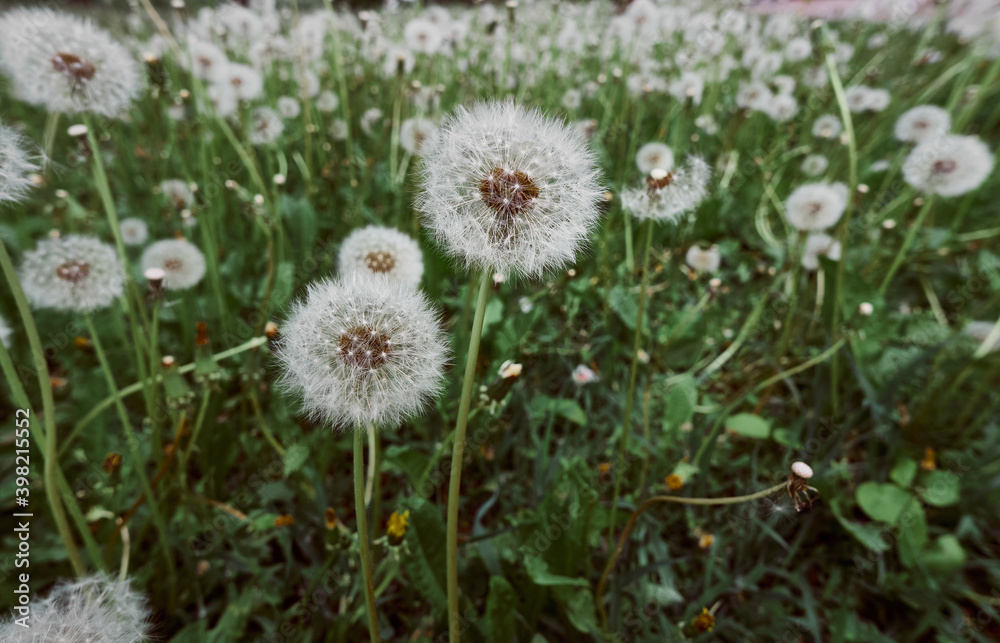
x=458, y=453
x=599, y=593
x=362, y=521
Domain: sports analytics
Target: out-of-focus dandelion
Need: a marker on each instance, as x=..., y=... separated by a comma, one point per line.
x=135, y=232
x=182, y=262
x=384, y=252
x=816, y=206
x=921, y=123
x=668, y=195
x=705, y=260
x=948, y=165
x=819, y=245
x=72, y=273
x=653, y=156
x=16, y=165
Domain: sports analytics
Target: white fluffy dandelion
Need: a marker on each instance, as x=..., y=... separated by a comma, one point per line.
x=178, y=193
x=668, y=195
x=509, y=190
x=265, y=126
x=376, y=250
x=922, y=122
x=814, y=164
x=362, y=351
x=819, y=245
x=653, y=156
x=415, y=133
x=827, y=126
x=16, y=165
x=423, y=36
x=245, y=82
x=371, y=119
x=135, y=232
x=816, y=206
x=948, y=165
x=703, y=259
x=289, y=107
x=181, y=261
x=95, y=608
x=66, y=64
x=327, y=101
x=71, y=273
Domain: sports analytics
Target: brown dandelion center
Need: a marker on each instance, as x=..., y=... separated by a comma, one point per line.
x=73, y=271
x=73, y=66
x=380, y=261
x=944, y=167
x=921, y=125
x=654, y=185
x=172, y=264
x=814, y=207
x=508, y=193
x=364, y=347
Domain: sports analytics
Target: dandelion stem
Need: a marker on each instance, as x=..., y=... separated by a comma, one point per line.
x=627, y=418
x=910, y=236
x=51, y=470
x=359, y=514
x=137, y=461
x=458, y=453
x=599, y=593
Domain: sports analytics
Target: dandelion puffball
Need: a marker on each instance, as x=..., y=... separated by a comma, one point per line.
x=506, y=189
x=923, y=122
x=72, y=273
x=668, y=195
x=16, y=165
x=703, y=259
x=653, y=156
x=948, y=165
x=362, y=351
x=182, y=262
x=135, y=232
x=384, y=252
x=66, y=64
x=816, y=206
x=827, y=126
x=95, y=608
x=819, y=244
x=802, y=470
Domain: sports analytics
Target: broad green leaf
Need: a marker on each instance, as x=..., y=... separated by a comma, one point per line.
x=870, y=535
x=883, y=502
x=539, y=572
x=748, y=424
x=567, y=409
x=410, y=461
x=939, y=488
x=580, y=609
x=501, y=611
x=911, y=532
x=493, y=314
x=904, y=471
x=424, y=554
x=944, y=555
x=626, y=306
x=295, y=457
x=679, y=403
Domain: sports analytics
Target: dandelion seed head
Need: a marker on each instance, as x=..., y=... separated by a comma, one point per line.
x=71, y=273
x=816, y=206
x=16, y=165
x=669, y=195
x=181, y=261
x=948, y=165
x=922, y=123
x=376, y=250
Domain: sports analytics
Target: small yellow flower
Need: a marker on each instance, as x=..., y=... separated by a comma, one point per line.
x=330, y=518
x=674, y=482
x=604, y=468
x=398, y=524
x=705, y=541
x=704, y=622
x=929, y=463
x=284, y=520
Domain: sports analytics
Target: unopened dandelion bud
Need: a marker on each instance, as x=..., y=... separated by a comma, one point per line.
x=271, y=330
x=802, y=470
x=866, y=308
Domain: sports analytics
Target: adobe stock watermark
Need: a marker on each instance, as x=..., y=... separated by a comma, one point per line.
x=22, y=517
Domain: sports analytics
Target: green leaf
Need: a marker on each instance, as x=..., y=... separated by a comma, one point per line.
x=493, y=314
x=539, y=572
x=944, y=556
x=912, y=532
x=748, y=424
x=295, y=457
x=424, y=554
x=679, y=403
x=939, y=488
x=580, y=609
x=904, y=471
x=870, y=535
x=410, y=461
x=501, y=612
x=626, y=306
x=883, y=502
x=568, y=409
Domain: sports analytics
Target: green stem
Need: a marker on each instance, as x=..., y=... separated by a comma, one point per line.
x=133, y=443
x=599, y=593
x=458, y=453
x=359, y=513
x=51, y=471
x=633, y=372
x=910, y=236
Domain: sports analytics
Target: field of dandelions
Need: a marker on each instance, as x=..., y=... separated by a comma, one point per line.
x=537, y=321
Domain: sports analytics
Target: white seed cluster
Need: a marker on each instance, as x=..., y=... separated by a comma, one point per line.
x=816, y=206
x=377, y=250
x=16, y=165
x=71, y=273
x=182, y=262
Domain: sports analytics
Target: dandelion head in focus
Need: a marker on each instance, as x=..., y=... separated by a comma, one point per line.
x=948, y=165
x=816, y=206
x=66, y=64
x=362, y=351
x=508, y=190
x=384, y=252
x=95, y=608
x=135, y=232
x=921, y=123
x=668, y=195
x=653, y=156
x=17, y=164
x=72, y=273
x=182, y=262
